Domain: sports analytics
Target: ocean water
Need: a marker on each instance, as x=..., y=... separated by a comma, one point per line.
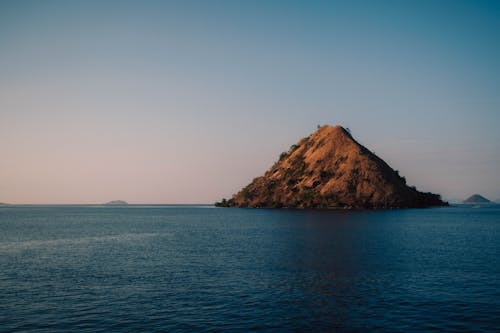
x=205, y=269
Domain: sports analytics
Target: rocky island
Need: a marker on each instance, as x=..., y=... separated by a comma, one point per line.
x=476, y=199
x=116, y=203
x=330, y=169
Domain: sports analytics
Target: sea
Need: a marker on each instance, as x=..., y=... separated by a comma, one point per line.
x=197, y=268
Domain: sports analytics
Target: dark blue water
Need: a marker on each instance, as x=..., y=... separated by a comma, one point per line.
x=157, y=268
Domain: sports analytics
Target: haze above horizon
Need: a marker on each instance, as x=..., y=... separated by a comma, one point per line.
x=187, y=101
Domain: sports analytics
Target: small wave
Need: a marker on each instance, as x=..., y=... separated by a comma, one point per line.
x=24, y=245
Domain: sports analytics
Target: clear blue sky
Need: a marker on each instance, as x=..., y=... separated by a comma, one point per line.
x=186, y=102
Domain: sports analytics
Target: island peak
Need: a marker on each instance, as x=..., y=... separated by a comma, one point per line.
x=330, y=169
x=475, y=199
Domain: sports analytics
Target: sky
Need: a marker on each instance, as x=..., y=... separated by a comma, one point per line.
x=188, y=101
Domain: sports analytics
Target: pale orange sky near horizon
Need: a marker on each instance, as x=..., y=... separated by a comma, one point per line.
x=170, y=102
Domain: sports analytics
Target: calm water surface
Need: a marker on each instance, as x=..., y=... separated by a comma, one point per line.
x=195, y=268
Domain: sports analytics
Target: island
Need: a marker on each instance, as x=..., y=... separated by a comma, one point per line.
x=330, y=169
x=476, y=199
x=117, y=203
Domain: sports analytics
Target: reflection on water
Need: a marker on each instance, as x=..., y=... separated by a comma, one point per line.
x=197, y=268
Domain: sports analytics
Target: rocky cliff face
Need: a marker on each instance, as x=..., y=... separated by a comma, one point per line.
x=329, y=169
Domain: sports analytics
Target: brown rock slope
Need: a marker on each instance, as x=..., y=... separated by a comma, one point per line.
x=329, y=169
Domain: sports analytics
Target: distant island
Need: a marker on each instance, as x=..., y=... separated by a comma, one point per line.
x=117, y=203
x=476, y=199
x=330, y=169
